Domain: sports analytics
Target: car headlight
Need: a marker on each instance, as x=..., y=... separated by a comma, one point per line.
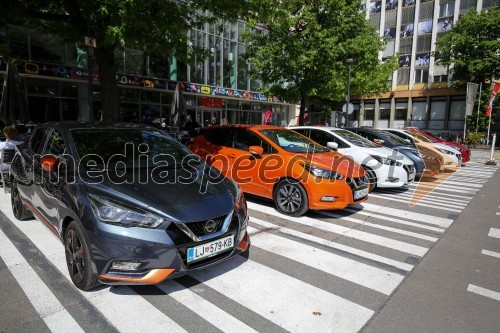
x=386, y=161
x=447, y=152
x=415, y=152
x=322, y=173
x=114, y=213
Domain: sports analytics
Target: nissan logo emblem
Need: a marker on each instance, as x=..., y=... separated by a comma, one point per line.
x=210, y=226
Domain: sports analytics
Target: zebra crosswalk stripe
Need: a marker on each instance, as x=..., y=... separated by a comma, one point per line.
x=365, y=275
x=347, y=232
x=43, y=300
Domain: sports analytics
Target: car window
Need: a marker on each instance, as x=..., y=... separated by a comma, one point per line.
x=38, y=139
x=55, y=145
x=293, y=142
x=303, y=131
x=219, y=136
x=354, y=138
x=244, y=138
x=323, y=138
x=117, y=148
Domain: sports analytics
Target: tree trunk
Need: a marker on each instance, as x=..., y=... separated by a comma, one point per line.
x=302, y=111
x=105, y=58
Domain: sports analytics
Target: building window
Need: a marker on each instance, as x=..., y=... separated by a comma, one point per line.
x=441, y=78
x=421, y=75
x=446, y=9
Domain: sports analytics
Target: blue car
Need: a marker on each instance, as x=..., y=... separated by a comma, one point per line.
x=392, y=141
x=130, y=204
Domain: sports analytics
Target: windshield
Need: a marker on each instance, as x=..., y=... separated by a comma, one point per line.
x=355, y=139
x=128, y=148
x=421, y=137
x=393, y=138
x=293, y=142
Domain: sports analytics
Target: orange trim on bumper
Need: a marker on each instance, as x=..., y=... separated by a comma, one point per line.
x=243, y=245
x=153, y=277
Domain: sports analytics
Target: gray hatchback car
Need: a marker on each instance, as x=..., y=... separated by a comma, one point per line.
x=130, y=204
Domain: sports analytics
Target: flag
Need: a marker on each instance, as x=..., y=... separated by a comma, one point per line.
x=494, y=91
x=471, y=97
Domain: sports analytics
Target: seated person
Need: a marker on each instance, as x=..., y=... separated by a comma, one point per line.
x=10, y=143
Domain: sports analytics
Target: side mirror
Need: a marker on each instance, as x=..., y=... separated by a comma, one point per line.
x=49, y=163
x=332, y=145
x=256, y=151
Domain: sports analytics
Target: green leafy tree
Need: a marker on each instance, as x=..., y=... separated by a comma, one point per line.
x=303, y=49
x=471, y=49
x=153, y=26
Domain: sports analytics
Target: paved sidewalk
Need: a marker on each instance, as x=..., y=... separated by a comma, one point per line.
x=435, y=297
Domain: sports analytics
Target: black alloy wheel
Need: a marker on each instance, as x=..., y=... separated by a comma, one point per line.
x=290, y=198
x=78, y=260
x=18, y=208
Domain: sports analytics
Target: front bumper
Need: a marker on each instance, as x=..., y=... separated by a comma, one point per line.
x=390, y=176
x=160, y=252
x=340, y=189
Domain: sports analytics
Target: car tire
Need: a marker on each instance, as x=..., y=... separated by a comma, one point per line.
x=290, y=198
x=78, y=258
x=372, y=178
x=18, y=208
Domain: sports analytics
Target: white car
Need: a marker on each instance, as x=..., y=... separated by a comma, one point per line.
x=384, y=166
x=451, y=152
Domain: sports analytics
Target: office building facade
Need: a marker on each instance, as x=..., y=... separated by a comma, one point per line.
x=55, y=80
x=420, y=93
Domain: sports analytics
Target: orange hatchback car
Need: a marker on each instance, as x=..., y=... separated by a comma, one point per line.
x=280, y=164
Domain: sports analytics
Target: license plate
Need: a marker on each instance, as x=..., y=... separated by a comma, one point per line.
x=360, y=194
x=210, y=249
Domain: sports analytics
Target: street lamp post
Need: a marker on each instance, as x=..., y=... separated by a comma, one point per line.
x=349, y=62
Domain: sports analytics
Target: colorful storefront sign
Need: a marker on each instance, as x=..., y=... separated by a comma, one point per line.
x=35, y=68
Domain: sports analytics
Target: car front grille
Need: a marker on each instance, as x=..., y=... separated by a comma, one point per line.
x=357, y=183
x=182, y=241
x=200, y=228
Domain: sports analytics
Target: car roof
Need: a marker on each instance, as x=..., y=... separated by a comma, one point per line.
x=253, y=127
x=326, y=128
x=68, y=125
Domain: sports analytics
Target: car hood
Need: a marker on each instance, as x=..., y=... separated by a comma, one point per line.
x=447, y=147
x=335, y=161
x=189, y=200
x=387, y=152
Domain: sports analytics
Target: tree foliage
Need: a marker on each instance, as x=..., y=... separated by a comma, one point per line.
x=472, y=47
x=153, y=26
x=303, y=49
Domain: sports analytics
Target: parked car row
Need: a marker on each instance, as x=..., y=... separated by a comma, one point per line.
x=132, y=205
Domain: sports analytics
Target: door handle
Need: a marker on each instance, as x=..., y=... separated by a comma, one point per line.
x=231, y=155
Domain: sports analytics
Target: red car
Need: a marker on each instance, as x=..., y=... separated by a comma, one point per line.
x=460, y=147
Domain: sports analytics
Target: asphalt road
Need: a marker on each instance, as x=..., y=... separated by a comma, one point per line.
x=382, y=266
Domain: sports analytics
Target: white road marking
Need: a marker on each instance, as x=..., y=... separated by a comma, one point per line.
x=261, y=289
x=434, y=220
x=137, y=315
x=431, y=201
x=491, y=253
x=435, y=197
x=395, y=220
x=216, y=316
x=484, y=292
x=379, y=226
x=365, y=275
x=417, y=204
x=341, y=247
x=494, y=232
x=347, y=232
x=53, y=313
